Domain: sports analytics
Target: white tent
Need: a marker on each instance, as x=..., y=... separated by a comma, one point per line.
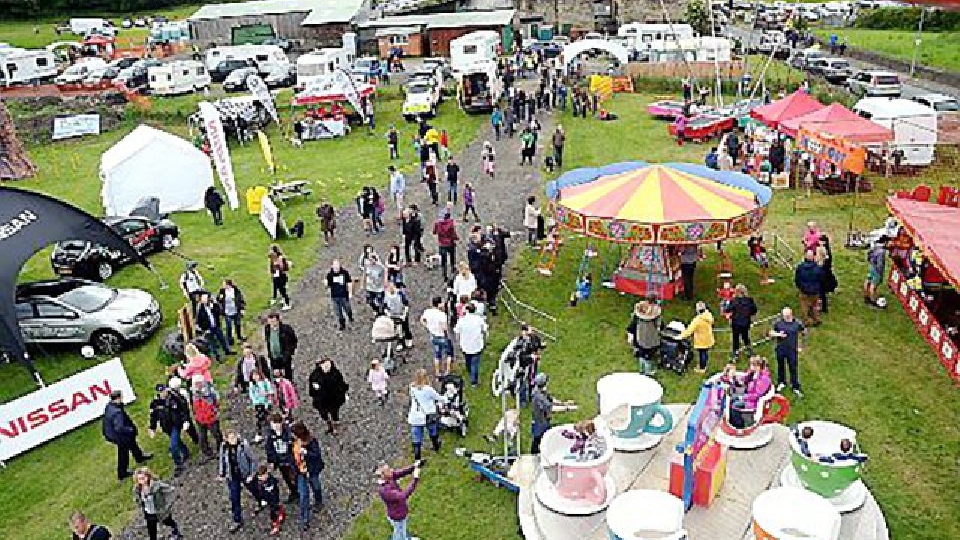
x=153, y=163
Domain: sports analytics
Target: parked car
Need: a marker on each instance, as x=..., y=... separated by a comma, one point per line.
x=76, y=311
x=285, y=44
x=834, y=70
x=803, y=57
x=135, y=76
x=236, y=81
x=100, y=75
x=276, y=80
x=124, y=63
x=224, y=68
x=941, y=103
x=77, y=258
x=76, y=73
x=126, y=23
x=140, y=22
x=871, y=83
x=422, y=99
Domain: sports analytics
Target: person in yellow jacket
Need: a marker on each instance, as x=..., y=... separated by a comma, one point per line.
x=432, y=139
x=701, y=328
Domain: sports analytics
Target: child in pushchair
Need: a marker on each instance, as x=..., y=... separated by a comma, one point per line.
x=389, y=333
x=455, y=414
x=674, y=352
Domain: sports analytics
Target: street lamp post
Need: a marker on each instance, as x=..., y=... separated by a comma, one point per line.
x=916, y=43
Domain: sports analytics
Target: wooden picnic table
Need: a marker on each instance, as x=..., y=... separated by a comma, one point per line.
x=290, y=190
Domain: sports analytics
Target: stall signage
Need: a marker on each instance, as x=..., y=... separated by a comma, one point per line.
x=221, y=154
x=77, y=125
x=838, y=151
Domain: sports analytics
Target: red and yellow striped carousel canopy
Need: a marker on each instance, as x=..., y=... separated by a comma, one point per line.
x=657, y=195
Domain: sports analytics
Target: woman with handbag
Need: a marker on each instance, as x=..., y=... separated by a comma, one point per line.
x=424, y=412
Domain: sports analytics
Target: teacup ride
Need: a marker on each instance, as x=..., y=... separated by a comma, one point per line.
x=838, y=482
x=791, y=513
x=630, y=406
x=646, y=514
x=572, y=484
x=772, y=408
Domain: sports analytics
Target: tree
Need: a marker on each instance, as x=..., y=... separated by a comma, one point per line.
x=697, y=16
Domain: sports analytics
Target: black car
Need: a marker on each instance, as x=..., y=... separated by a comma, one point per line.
x=78, y=258
x=226, y=67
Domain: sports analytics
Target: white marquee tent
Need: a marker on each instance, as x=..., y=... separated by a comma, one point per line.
x=153, y=163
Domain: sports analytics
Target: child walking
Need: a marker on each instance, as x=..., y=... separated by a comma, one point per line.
x=261, y=395
x=378, y=377
x=469, y=202
x=488, y=156
x=269, y=489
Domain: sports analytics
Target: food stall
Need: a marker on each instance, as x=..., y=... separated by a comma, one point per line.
x=835, y=164
x=925, y=274
x=328, y=108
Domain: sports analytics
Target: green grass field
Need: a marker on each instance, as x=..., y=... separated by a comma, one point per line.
x=50, y=481
x=865, y=368
x=938, y=50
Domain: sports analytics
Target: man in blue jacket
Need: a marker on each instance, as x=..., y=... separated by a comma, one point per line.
x=120, y=430
x=808, y=278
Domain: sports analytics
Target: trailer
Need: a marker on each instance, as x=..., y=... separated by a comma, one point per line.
x=178, y=77
x=22, y=66
x=914, y=126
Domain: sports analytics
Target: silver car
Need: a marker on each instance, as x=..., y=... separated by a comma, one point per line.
x=76, y=311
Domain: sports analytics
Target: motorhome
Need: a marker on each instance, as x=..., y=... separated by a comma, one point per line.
x=76, y=73
x=479, y=87
x=322, y=63
x=475, y=47
x=698, y=49
x=269, y=59
x=914, y=126
x=639, y=35
x=21, y=66
x=178, y=77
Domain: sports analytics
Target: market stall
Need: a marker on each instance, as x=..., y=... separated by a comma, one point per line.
x=831, y=113
x=925, y=275
x=657, y=209
x=833, y=163
x=329, y=108
x=775, y=113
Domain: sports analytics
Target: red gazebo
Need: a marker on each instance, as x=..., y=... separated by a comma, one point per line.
x=830, y=113
x=775, y=113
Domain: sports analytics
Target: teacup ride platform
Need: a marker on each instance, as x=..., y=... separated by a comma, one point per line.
x=630, y=407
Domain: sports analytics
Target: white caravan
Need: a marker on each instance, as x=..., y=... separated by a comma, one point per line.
x=178, y=77
x=21, y=66
x=473, y=48
x=83, y=26
x=76, y=73
x=642, y=35
x=269, y=59
x=914, y=126
x=322, y=63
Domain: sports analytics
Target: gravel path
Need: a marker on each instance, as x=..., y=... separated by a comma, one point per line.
x=370, y=433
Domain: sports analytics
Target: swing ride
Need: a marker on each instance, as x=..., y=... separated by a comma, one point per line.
x=655, y=210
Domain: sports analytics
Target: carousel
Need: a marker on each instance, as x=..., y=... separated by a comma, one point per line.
x=656, y=210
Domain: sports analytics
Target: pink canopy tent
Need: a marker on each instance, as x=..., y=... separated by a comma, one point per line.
x=857, y=130
x=775, y=113
x=830, y=113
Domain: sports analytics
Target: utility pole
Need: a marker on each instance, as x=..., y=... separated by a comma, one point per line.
x=916, y=43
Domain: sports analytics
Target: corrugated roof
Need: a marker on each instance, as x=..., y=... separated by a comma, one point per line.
x=396, y=31
x=323, y=11
x=500, y=17
x=333, y=11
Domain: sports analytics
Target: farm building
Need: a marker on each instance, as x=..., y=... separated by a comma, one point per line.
x=431, y=34
x=313, y=22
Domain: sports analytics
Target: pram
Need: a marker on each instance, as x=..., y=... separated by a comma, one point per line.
x=674, y=352
x=388, y=332
x=455, y=415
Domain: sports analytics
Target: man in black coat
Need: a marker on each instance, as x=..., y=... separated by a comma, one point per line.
x=120, y=430
x=281, y=343
x=277, y=444
x=171, y=413
x=209, y=321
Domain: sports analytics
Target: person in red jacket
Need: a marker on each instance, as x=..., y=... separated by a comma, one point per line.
x=395, y=498
x=206, y=412
x=446, y=232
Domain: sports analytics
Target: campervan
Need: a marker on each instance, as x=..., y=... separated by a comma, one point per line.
x=269, y=59
x=914, y=126
x=473, y=48
x=322, y=63
x=178, y=77
x=641, y=36
x=21, y=66
x=84, y=26
x=81, y=70
x=479, y=87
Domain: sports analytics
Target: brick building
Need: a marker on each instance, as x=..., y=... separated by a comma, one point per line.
x=431, y=34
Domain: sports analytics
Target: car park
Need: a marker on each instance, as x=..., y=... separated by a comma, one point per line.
x=236, y=81
x=76, y=258
x=834, y=70
x=76, y=311
x=873, y=83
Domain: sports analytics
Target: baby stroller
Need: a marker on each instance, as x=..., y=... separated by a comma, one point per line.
x=674, y=352
x=388, y=332
x=455, y=414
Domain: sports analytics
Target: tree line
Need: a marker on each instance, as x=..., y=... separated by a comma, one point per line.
x=36, y=9
x=935, y=20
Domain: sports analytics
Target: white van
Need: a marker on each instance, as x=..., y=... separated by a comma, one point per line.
x=179, y=77
x=914, y=126
x=80, y=71
x=322, y=63
x=20, y=66
x=269, y=59
x=473, y=48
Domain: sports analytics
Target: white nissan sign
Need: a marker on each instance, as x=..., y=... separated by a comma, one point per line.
x=43, y=415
